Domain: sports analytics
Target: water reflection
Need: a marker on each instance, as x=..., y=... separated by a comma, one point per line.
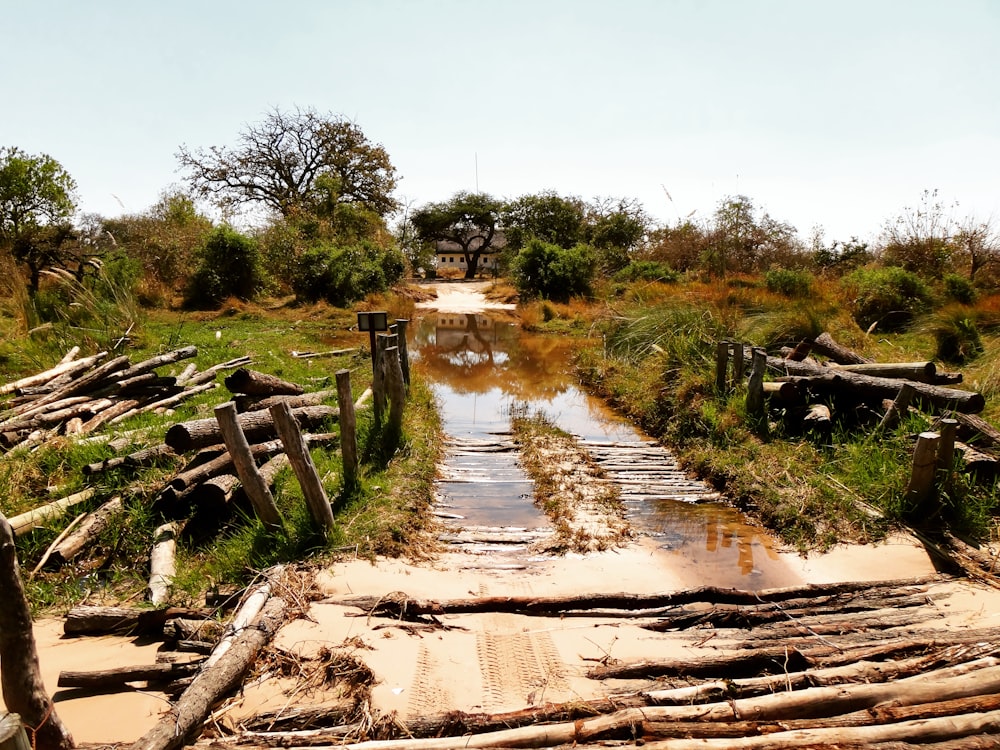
x=479, y=367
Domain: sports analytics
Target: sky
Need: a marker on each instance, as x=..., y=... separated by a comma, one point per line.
x=825, y=113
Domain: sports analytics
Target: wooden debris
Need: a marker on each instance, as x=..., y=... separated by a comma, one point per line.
x=255, y=383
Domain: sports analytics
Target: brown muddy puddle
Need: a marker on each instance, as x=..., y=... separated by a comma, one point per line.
x=482, y=370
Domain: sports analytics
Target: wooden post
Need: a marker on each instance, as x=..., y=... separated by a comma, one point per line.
x=755, y=386
x=898, y=407
x=378, y=380
x=303, y=466
x=348, y=428
x=948, y=428
x=739, y=362
x=162, y=566
x=397, y=391
x=12, y=734
x=399, y=328
x=255, y=487
x=21, y=678
x=921, y=484
x=721, y=366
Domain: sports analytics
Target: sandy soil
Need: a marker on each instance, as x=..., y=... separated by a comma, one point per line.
x=486, y=662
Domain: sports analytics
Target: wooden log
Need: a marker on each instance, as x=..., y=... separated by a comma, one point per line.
x=921, y=372
x=187, y=373
x=825, y=345
x=255, y=383
x=256, y=425
x=117, y=678
x=91, y=620
x=823, y=379
x=256, y=489
x=169, y=358
x=333, y=353
x=214, y=682
x=215, y=493
x=897, y=407
x=976, y=462
x=250, y=609
x=255, y=403
x=108, y=413
x=348, y=429
x=193, y=389
x=88, y=382
x=185, y=629
x=783, y=390
x=137, y=459
x=162, y=565
x=21, y=678
x=800, y=352
x=93, y=525
x=32, y=519
x=12, y=734
x=303, y=466
x=818, y=417
x=71, y=368
x=398, y=604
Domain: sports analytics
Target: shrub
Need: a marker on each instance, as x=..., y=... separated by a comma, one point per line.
x=887, y=296
x=551, y=272
x=788, y=282
x=958, y=289
x=955, y=334
x=342, y=275
x=646, y=270
x=229, y=267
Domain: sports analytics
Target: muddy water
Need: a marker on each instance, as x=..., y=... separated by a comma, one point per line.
x=482, y=370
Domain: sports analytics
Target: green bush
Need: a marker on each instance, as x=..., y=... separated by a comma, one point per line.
x=788, y=282
x=958, y=289
x=646, y=270
x=886, y=296
x=343, y=275
x=552, y=272
x=230, y=267
x=955, y=334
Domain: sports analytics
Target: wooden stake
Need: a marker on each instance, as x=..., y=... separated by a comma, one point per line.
x=303, y=466
x=348, y=428
x=21, y=678
x=721, y=366
x=256, y=489
x=921, y=484
x=755, y=386
x=399, y=328
x=396, y=390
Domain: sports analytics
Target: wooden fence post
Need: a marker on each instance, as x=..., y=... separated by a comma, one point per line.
x=721, y=366
x=21, y=679
x=348, y=428
x=397, y=391
x=255, y=486
x=303, y=466
x=739, y=362
x=399, y=328
x=925, y=463
x=755, y=386
x=378, y=379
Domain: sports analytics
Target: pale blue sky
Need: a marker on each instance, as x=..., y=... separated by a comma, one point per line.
x=836, y=113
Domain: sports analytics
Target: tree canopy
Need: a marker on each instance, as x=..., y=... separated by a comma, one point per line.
x=295, y=162
x=37, y=203
x=469, y=220
x=546, y=216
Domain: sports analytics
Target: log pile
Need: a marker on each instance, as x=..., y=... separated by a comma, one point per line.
x=79, y=396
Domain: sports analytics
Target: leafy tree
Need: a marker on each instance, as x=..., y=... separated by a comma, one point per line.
x=979, y=244
x=681, y=247
x=546, y=216
x=743, y=239
x=469, y=220
x=615, y=228
x=552, y=272
x=37, y=203
x=230, y=267
x=295, y=162
x=344, y=274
